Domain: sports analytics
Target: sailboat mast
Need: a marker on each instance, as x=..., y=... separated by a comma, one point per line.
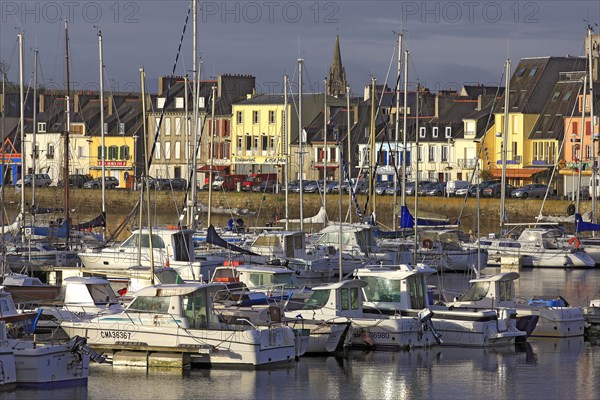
x=146, y=181
x=67, y=132
x=504, y=146
x=396, y=152
x=326, y=152
x=372, y=156
x=286, y=150
x=3, y=170
x=102, y=133
x=211, y=155
x=192, y=159
x=34, y=129
x=22, y=129
x=581, y=136
x=592, y=123
x=300, y=143
x=349, y=155
x=416, y=161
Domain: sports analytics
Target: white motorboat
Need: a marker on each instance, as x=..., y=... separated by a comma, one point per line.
x=84, y=298
x=343, y=301
x=536, y=247
x=25, y=288
x=313, y=263
x=555, y=319
x=278, y=284
x=403, y=291
x=180, y=319
x=170, y=247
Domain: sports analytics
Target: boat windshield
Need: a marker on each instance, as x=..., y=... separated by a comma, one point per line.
x=150, y=304
x=264, y=279
x=102, y=294
x=381, y=289
x=317, y=300
x=168, y=276
x=157, y=242
x=476, y=292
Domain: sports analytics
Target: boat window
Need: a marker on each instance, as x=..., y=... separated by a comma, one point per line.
x=298, y=242
x=195, y=310
x=289, y=246
x=102, y=294
x=381, y=289
x=168, y=276
x=505, y=291
x=152, y=304
x=349, y=298
x=181, y=246
x=4, y=308
x=282, y=279
x=256, y=279
x=416, y=290
x=266, y=240
x=317, y=300
x=476, y=292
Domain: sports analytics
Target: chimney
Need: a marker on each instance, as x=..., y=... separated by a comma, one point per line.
x=110, y=105
x=76, y=103
x=437, y=105
x=160, y=84
x=41, y=104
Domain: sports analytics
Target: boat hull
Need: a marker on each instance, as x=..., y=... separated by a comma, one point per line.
x=210, y=346
x=389, y=334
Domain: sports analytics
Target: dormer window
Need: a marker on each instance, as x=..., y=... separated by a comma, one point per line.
x=41, y=127
x=448, y=132
x=434, y=132
x=422, y=132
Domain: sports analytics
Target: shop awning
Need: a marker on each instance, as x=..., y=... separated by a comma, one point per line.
x=517, y=172
x=214, y=168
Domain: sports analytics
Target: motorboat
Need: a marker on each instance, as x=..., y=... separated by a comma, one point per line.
x=180, y=318
x=343, y=301
x=536, y=247
x=171, y=247
x=554, y=318
x=25, y=288
x=402, y=290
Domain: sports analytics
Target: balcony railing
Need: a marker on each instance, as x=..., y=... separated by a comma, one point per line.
x=468, y=163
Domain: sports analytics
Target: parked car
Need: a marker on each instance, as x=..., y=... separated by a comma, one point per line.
x=304, y=184
x=336, y=187
x=76, y=180
x=381, y=187
x=361, y=186
x=495, y=190
x=453, y=186
x=265, y=186
x=425, y=188
x=465, y=191
x=436, y=189
x=41, y=180
x=110, y=182
x=176, y=184
x=532, y=190
x=293, y=184
x=481, y=186
x=410, y=187
x=312, y=187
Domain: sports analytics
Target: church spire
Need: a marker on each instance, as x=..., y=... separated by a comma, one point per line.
x=337, y=74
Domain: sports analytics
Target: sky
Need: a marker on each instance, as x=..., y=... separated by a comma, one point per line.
x=451, y=43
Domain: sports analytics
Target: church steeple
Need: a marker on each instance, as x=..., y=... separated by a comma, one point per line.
x=337, y=75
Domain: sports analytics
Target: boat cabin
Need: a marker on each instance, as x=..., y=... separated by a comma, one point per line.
x=490, y=292
x=189, y=305
x=356, y=238
x=284, y=244
x=176, y=243
x=544, y=238
x=339, y=299
x=445, y=240
x=89, y=292
x=402, y=287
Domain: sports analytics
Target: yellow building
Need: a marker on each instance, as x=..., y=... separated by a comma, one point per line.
x=261, y=136
x=119, y=161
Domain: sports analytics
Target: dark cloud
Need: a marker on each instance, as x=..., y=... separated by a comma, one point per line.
x=463, y=41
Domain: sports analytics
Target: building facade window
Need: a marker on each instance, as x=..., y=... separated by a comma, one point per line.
x=50, y=150
x=178, y=126
x=255, y=117
x=239, y=118
x=271, y=117
x=177, y=150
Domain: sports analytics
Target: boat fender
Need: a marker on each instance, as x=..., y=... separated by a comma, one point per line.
x=574, y=241
x=428, y=243
x=571, y=209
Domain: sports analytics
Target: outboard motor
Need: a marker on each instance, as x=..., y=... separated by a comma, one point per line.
x=79, y=345
x=425, y=318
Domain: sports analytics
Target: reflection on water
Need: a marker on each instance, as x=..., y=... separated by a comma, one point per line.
x=540, y=369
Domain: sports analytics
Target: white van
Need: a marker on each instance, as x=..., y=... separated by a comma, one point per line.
x=453, y=186
x=590, y=188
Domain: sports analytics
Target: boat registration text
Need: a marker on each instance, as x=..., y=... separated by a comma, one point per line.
x=115, y=335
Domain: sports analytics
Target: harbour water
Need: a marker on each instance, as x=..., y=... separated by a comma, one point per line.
x=541, y=369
